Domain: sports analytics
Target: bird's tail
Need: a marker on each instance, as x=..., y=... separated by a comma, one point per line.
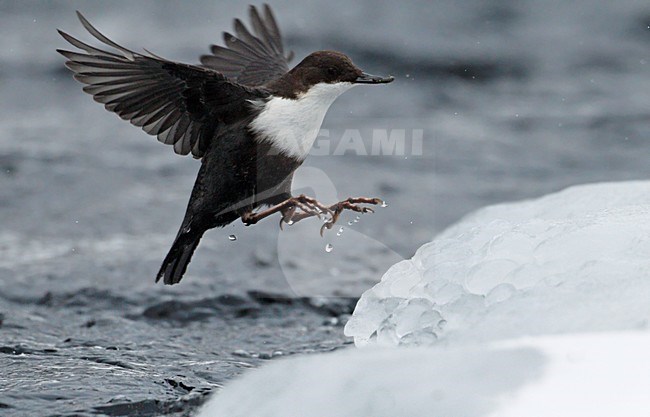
x=180, y=254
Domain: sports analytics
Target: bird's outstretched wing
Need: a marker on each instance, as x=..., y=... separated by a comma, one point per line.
x=252, y=59
x=181, y=104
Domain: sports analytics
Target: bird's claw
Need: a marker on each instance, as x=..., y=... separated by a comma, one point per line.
x=287, y=214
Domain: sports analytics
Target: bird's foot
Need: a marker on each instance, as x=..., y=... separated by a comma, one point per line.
x=352, y=204
x=334, y=211
x=308, y=206
x=313, y=205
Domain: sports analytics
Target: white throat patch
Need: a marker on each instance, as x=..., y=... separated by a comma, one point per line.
x=291, y=126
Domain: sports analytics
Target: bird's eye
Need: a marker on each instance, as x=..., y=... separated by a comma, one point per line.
x=332, y=71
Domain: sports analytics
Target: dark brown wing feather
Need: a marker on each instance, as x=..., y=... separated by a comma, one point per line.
x=252, y=59
x=180, y=104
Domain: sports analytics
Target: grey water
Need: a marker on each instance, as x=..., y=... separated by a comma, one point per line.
x=513, y=99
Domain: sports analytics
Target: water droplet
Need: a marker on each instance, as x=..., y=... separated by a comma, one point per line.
x=332, y=321
x=340, y=232
x=290, y=222
x=384, y=204
x=232, y=238
x=356, y=219
x=350, y=223
x=76, y=221
x=329, y=247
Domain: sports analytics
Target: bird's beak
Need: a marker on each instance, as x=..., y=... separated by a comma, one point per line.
x=373, y=79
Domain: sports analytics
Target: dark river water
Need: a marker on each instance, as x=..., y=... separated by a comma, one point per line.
x=494, y=101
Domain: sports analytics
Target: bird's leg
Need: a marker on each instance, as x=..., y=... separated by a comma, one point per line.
x=250, y=218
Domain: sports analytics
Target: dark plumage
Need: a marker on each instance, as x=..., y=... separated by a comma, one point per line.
x=223, y=113
x=251, y=59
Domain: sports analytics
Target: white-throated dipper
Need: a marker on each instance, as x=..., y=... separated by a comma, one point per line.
x=250, y=120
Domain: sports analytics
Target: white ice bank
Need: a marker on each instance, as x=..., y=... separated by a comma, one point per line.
x=539, y=308
x=577, y=260
x=592, y=375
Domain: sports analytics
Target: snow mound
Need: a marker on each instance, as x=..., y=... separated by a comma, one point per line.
x=594, y=375
x=577, y=260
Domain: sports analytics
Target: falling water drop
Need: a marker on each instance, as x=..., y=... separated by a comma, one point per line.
x=356, y=219
x=340, y=232
x=329, y=248
x=350, y=223
x=290, y=222
x=384, y=204
x=232, y=238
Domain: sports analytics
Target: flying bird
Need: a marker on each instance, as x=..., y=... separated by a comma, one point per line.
x=249, y=118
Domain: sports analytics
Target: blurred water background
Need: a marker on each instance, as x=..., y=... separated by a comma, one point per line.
x=515, y=99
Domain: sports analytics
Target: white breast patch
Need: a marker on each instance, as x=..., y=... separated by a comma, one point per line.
x=292, y=125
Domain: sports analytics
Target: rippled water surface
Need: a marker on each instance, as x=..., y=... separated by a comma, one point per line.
x=514, y=99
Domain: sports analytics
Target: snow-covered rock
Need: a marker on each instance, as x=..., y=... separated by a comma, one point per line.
x=577, y=260
x=592, y=375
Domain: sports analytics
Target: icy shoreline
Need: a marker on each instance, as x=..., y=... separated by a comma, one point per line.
x=578, y=375
x=560, y=263
x=499, y=305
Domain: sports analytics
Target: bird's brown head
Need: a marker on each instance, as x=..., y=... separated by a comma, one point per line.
x=328, y=67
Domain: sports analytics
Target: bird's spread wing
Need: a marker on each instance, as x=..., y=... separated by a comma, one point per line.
x=252, y=59
x=180, y=104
